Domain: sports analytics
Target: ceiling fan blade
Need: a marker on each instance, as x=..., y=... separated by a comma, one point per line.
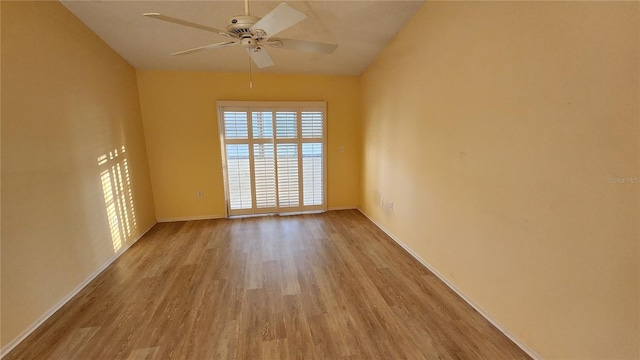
x=207, y=47
x=187, y=23
x=260, y=57
x=278, y=19
x=301, y=45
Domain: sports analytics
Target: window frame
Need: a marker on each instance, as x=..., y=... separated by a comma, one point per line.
x=249, y=107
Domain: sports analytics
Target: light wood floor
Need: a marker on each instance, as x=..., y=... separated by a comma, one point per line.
x=324, y=286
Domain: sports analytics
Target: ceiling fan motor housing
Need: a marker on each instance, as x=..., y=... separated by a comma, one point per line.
x=241, y=25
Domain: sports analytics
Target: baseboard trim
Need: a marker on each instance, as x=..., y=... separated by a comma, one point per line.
x=192, y=218
x=342, y=208
x=213, y=217
x=485, y=314
x=15, y=342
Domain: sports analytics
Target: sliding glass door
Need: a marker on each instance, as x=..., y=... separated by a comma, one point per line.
x=273, y=156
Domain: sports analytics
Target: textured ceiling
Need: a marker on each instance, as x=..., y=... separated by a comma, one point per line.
x=360, y=28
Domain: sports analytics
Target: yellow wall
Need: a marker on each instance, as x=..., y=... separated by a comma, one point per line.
x=495, y=128
x=67, y=99
x=181, y=128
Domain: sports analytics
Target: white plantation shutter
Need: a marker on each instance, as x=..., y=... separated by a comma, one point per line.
x=238, y=170
x=312, y=133
x=262, y=124
x=265, y=176
x=235, y=125
x=288, y=185
x=312, y=174
x=312, y=124
x=286, y=125
x=274, y=156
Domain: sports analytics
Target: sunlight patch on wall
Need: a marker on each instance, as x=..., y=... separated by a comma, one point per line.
x=118, y=196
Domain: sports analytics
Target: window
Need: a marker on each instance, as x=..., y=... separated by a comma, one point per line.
x=273, y=156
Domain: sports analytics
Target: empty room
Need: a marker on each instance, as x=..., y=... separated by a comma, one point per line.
x=320, y=180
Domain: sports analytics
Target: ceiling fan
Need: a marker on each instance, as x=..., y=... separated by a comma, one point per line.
x=253, y=33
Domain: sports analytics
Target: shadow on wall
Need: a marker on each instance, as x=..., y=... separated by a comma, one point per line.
x=118, y=197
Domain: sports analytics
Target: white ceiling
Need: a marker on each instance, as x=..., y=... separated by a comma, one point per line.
x=360, y=28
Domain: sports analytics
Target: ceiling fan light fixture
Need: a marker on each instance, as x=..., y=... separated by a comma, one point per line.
x=249, y=43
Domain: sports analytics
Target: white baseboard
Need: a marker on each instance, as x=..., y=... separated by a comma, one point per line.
x=15, y=342
x=293, y=213
x=212, y=217
x=191, y=218
x=485, y=314
x=342, y=208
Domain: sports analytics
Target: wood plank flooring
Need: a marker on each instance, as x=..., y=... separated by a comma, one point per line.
x=322, y=286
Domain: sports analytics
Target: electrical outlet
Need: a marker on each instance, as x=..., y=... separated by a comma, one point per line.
x=391, y=206
x=199, y=194
x=381, y=201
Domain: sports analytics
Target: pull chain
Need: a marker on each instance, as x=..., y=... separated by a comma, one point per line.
x=250, y=73
x=246, y=12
